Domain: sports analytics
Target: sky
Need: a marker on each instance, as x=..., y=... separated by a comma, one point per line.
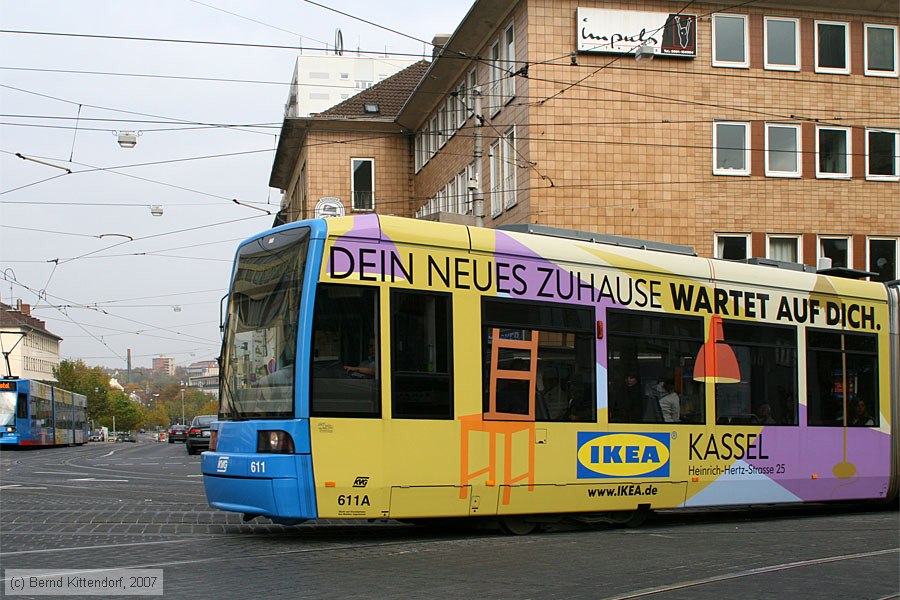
x=83, y=248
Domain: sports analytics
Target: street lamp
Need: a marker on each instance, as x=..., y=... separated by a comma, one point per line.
x=182, y=407
x=127, y=139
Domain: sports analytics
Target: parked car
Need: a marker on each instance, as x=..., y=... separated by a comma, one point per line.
x=125, y=436
x=177, y=433
x=198, y=434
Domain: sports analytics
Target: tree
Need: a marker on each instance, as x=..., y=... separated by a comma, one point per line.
x=126, y=411
x=77, y=377
x=155, y=415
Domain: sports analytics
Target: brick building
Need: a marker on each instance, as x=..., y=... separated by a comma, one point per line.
x=163, y=365
x=764, y=129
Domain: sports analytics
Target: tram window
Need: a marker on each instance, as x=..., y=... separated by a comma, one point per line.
x=767, y=391
x=842, y=391
x=650, y=357
x=564, y=386
x=22, y=406
x=422, y=357
x=345, y=362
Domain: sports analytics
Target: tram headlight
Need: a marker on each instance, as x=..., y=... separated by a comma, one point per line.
x=10, y=430
x=274, y=442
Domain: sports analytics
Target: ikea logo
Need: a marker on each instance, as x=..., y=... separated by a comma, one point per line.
x=602, y=455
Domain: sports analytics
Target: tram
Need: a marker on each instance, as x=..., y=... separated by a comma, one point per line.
x=34, y=414
x=378, y=367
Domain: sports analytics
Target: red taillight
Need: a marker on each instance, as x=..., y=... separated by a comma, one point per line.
x=274, y=442
x=194, y=431
x=213, y=439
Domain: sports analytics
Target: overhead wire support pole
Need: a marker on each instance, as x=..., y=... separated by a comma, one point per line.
x=7, y=353
x=478, y=193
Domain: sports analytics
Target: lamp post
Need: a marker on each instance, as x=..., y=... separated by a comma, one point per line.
x=182, y=407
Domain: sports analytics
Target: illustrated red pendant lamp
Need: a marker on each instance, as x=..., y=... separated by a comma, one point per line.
x=716, y=361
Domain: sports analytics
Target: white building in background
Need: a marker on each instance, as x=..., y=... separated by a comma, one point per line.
x=320, y=82
x=29, y=350
x=204, y=375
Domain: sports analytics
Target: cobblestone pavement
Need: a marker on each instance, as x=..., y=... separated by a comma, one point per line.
x=105, y=506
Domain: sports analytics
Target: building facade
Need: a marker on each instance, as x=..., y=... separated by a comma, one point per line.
x=29, y=350
x=320, y=82
x=759, y=130
x=163, y=365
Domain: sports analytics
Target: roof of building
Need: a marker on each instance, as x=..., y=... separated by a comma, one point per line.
x=11, y=316
x=387, y=97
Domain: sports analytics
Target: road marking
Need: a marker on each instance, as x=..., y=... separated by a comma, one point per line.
x=95, y=480
x=111, y=452
x=76, y=548
x=751, y=572
x=19, y=487
x=60, y=473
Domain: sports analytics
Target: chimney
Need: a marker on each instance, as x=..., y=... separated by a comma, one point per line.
x=25, y=309
x=438, y=43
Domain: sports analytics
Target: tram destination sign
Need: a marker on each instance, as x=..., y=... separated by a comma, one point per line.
x=606, y=31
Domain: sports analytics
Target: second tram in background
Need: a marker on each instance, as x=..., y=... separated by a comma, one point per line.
x=378, y=367
x=34, y=414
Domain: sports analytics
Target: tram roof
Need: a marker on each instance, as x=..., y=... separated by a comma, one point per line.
x=598, y=250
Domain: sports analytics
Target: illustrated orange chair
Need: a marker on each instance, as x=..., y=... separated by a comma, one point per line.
x=496, y=423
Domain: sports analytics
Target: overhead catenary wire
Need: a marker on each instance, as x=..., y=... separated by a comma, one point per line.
x=564, y=142
x=69, y=304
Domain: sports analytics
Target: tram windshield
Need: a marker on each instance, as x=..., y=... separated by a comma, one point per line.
x=7, y=408
x=260, y=343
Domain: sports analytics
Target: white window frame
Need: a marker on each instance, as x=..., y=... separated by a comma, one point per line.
x=442, y=125
x=887, y=238
x=353, y=184
x=833, y=70
x=745, y=64
x=879, y=73
x=462, y=99
x=461, y=184
x=717, y=254
x=426, y=142
x=715, y=153
x=496, y=171
x=785, y=236
x=510, y=175
x=435, y=142
x=451, y=116
x=508, y=54
x=828, y=175
x=781, y=67
x=451, y=195
x=821, y=238
x=496, y=76
x=896, y=175
x=799, y=153
x=470, y=175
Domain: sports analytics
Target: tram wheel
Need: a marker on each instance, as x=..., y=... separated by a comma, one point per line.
x=516, y=525
x=630, y=518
